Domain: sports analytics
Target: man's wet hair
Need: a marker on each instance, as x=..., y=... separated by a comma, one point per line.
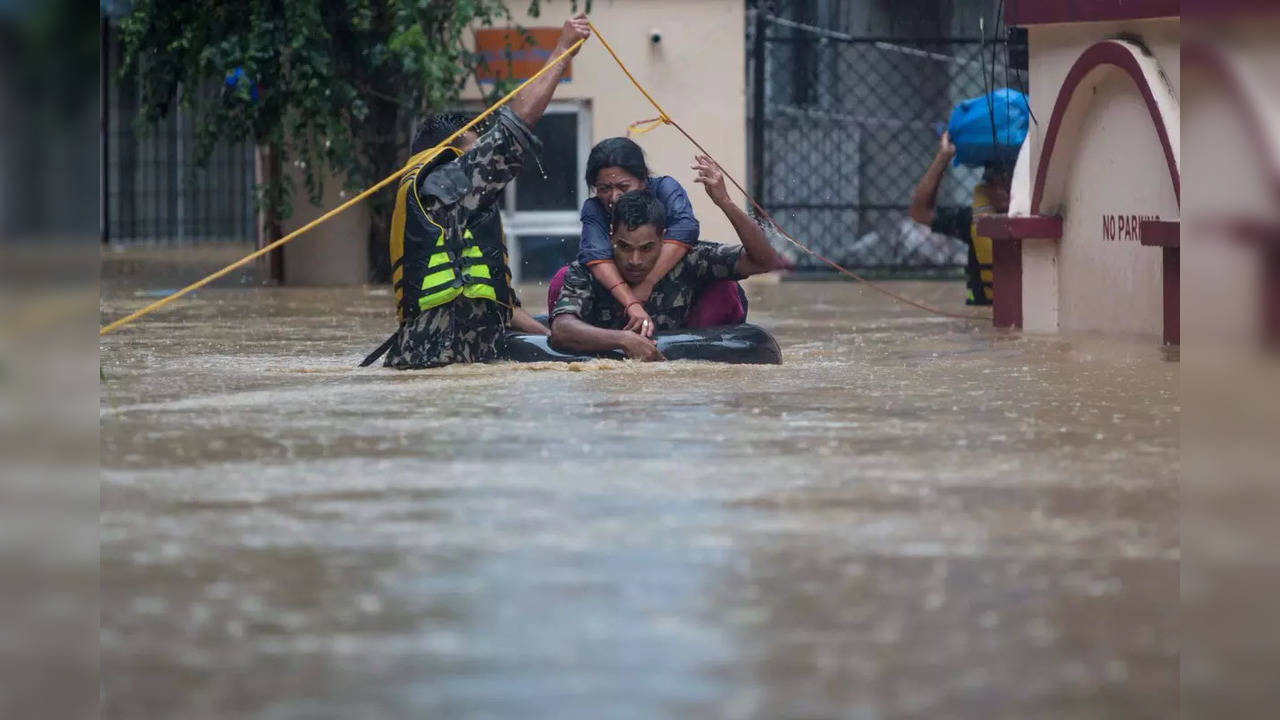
x=436, y=128
x=616, y=152
x=636, y=208
x=1000, y=170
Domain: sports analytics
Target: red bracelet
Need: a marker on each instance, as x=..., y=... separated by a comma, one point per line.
x=615, y=285
x=633, y=302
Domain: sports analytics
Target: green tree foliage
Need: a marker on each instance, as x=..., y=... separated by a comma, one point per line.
x=320, y=84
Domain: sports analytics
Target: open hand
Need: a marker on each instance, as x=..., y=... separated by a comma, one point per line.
x=711, y=177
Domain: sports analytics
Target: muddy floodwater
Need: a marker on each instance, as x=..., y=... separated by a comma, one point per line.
x=912, y=517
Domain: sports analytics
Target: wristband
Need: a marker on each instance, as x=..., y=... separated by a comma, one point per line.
x=615, y=286
x=633, y=302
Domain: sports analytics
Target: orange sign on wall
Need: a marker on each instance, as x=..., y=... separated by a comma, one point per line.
x=508, y=53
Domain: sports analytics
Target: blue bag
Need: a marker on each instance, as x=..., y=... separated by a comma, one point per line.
x=970, y=128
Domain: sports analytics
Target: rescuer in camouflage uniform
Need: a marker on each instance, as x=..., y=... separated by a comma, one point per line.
x=465, y=329
x=453, y=302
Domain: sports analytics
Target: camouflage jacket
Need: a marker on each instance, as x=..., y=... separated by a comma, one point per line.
x=453, y=192
x=671, y=301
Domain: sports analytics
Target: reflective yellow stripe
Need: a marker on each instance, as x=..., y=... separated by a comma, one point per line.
x=437, y=278
x=480, y=292
x=438, y=259
x=472, y=251
x=441, y=277
x=475, y=292
x=439, y=298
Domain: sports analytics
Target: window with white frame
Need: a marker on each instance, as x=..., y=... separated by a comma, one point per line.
x=541, y=206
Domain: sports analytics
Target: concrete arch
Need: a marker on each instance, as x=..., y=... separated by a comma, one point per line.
x=1061, y=137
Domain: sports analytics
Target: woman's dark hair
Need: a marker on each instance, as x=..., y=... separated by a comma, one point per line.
x=636, y=208
x=616, y=152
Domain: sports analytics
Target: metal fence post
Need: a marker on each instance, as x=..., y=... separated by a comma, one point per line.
x=104, y=89
x=758, y=109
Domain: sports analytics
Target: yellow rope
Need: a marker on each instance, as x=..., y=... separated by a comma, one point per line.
x=420, y=157
x=662, y=114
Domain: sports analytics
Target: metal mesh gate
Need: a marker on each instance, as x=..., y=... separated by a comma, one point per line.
x=152, y=189
x=844, y=125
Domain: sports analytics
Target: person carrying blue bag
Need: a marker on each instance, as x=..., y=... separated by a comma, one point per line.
x=986, y=132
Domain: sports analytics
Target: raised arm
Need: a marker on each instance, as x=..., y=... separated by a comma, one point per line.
x=530, y=103
x=682, y=226
x=497, y=156
x=757, y=254
x=925, y=196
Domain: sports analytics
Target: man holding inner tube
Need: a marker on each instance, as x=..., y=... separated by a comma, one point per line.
x=587, y=317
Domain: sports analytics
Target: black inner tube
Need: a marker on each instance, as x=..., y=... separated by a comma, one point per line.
x=744, y=344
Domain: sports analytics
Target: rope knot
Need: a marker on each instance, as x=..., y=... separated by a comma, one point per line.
x=641, y=127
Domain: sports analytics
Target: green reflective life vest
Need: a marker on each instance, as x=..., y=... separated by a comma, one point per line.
x=427, y=271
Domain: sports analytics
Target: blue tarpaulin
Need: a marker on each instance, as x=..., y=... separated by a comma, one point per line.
x=971, y=128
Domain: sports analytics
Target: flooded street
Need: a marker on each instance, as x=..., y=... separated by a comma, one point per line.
x=912, y=517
